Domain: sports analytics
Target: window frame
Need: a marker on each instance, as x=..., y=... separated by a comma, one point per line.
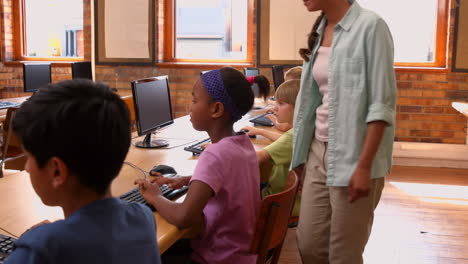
x=169, y=38
x=19, y=37
x=440, y=61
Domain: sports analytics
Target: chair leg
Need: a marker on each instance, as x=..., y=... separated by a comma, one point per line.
x=2, y=162
x=276, y=254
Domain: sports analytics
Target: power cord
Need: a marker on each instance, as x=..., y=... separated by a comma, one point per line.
x=171, y=147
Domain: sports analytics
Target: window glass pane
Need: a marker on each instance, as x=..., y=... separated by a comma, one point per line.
x=211, y=29
x=54, y=28
x=414, y=35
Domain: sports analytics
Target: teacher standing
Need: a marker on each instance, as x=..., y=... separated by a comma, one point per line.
x=343, y=129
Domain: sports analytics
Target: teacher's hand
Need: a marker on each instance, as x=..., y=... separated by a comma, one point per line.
x=359, y=185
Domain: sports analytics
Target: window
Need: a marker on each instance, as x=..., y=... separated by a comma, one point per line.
x=419, y=29
x=209, y=31
x=49, y=29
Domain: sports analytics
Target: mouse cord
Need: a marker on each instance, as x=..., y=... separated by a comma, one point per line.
x=136, y=167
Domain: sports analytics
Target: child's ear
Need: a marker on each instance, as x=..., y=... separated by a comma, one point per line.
x=59, y=171
x=217, y=110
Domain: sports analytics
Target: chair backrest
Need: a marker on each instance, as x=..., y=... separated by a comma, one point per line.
x=7, y=130
x=278, y=75
x=272, y=221
x=128, y=99
x=12, y=153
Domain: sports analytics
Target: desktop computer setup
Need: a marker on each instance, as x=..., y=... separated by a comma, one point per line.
x=134, y=195
x=198, y=147
x=35, y=75
x=153, y=111
x=251, y=72
x=278, y=79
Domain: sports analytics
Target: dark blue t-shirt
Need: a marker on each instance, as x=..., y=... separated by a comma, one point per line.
x=106, y=231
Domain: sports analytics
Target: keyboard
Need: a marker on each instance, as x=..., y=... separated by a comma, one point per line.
x=134, y=195
x=262, y=120
x=5, y=104
x=6, y=247
x=196, y=148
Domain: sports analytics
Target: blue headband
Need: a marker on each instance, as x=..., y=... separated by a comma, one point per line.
x=213, y=83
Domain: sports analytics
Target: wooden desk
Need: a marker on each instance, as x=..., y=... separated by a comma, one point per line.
x=461, y=107
x=20, y=100
x=14, y=99
x=21, y=207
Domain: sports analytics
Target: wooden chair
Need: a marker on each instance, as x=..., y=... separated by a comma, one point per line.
x=13, y=156
x=272, y=221
x=128, y=99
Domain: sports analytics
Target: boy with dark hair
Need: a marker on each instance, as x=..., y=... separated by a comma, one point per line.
x=76, y=135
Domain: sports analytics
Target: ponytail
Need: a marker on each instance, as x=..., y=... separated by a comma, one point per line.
x=263, y=86
x=305, y=52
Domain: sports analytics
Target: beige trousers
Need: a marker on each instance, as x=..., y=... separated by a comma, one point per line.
x=330, y=229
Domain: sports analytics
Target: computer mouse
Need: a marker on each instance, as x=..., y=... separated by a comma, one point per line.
x=163, y=169
x=247, y=131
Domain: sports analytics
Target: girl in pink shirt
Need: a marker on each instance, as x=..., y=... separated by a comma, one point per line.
x=223, y=192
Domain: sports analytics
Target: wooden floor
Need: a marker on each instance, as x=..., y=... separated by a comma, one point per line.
x=422, y=218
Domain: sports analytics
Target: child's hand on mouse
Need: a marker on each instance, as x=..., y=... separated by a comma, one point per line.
x=252, y=131
x=155, y=174
x=272, y=117
x=280, y=126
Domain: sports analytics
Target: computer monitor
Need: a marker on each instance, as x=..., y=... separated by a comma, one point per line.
x=251, y=72
x=82, y=70
x=35, y=76
x=153, y=109
x=278, y=75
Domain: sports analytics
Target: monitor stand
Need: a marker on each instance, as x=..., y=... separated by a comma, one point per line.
x=148, y=143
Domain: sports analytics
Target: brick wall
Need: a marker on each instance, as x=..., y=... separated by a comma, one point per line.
x=11, y=72
x=424, y=112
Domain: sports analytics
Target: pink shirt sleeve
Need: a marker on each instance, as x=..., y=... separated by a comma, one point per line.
x=208, y=171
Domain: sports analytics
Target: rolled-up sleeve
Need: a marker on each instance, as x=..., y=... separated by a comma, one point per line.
x=381, y=82
x=381, y=112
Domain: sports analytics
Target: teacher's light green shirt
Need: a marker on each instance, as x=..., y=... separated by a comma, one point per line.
x=362, y=89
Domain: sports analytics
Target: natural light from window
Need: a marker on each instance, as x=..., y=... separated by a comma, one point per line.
x=54, y=28
x=435, y=193
x=211, y=29
x=413, y=25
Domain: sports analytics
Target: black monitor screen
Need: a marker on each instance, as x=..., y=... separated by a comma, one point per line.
x=251, y=72
x=278, y=75
x=152, y=104
x=82, y=70
x=35, y=76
